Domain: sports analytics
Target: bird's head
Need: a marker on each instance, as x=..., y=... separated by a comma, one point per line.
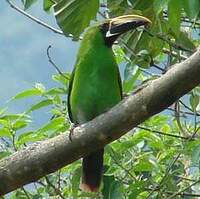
x=112, y=28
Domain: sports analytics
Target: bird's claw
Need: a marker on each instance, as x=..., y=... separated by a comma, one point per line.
x=71, y=130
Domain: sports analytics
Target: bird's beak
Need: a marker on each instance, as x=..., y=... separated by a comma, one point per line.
x=122, y=24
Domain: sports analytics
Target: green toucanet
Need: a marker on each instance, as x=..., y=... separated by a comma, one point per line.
x=95, y=84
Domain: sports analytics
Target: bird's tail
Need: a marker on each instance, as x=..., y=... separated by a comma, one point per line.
x=92, y=169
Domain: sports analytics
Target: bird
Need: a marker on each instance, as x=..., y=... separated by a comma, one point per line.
x=95, y=85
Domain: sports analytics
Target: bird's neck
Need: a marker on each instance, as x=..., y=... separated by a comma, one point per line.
x=93, y=45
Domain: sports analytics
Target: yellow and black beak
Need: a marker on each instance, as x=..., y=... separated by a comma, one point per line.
x=122, y=24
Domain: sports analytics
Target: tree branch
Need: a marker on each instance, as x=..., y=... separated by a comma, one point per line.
x=38, y=21
x=42, y=158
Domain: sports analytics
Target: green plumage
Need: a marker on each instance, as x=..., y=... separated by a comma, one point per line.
x=95, y=87
x=95, y=84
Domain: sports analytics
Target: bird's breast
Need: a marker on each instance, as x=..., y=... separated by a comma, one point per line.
x=95, y=90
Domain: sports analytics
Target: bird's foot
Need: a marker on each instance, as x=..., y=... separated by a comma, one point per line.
x=71, y=130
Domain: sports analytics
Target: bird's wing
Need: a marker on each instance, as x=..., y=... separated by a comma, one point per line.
x=70, y=89
x=69, y=93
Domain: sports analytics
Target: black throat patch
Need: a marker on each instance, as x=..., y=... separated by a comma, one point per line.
x=108, y=40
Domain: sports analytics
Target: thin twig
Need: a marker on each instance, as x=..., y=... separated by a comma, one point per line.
x=187, y=107
x=184, y=178
x=135, y=55
x=131, y=50
x=184, y=19
x=59, y=179
x=57, y=191
x=71, y=36
x=183, y=112
x=25, y=192
x=165, y=192
x=36, y=188
x=171, y=192
x=177, y=117
x=122, y=167
x=164, y=177
x=41, y=183
x=182, y=191
x=13, y=139
x=53, y=64
x=162, y=133
x=169, y=169
x=173, y=44
x=38, y=21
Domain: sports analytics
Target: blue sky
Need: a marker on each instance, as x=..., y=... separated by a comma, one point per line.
x=23, y=59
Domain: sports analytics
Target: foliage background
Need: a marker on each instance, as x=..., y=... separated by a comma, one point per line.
x=160, y=158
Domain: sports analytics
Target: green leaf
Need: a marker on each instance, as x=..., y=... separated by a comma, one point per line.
x=30, y=136
x=111, y=188
x=132, y=141
x=196, y=156
x=54, y=124
x=76, y=181
x=24, y=136
x=19, y=124
x=131, y=74
x=143, y=59
x=117, y=7
x=12, y=117
x=140, y=42
x=39, y=105
x=119, y=54
x=154, y=45
x=56, y=91
x=112, y=152
x=157, y=121
x=142, y=4
x=155, y=142
x=191, y=7
x=63, y=80
x=3, y=110
x=116, y=190
x=143, y=165
x=28, y=3
x=27, y=93
x=174, y=15
x=166, y=128
x=194, y=101
x=132, y=39
x=3, y=154
x=57, y=100
x=47, y=4
x=136, y=189
x=20, y=194
x=55, y=111
x=73, y=16
x=4, y=122
x=4, y=132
